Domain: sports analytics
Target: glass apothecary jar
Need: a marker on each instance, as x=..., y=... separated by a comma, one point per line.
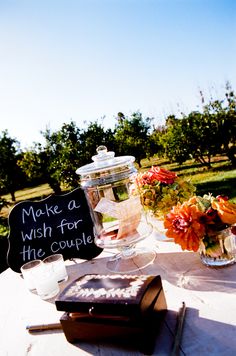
x=118, y=217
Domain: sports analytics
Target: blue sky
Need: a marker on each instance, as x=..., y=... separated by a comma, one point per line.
x=84, y=60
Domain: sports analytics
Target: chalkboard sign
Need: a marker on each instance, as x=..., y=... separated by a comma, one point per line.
x=57, y=224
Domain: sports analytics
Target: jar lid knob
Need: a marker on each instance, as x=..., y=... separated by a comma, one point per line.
x=101, y=150
x=103, y=154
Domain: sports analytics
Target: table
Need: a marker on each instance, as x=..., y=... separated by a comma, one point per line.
x=209, y=294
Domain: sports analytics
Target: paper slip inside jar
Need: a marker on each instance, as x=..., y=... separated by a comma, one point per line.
x=128, y=212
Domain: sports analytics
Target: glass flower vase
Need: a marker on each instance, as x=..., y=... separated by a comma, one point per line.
x=218, y=250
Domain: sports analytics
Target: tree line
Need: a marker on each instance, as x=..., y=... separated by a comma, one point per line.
x=200, y=135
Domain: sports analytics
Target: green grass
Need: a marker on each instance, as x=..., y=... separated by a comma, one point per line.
x=3, y=229
x=38, y=192
x=35, y=193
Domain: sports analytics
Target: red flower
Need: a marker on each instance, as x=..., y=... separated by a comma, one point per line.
x=162, y=175
x=155, y=175
x=145, y=179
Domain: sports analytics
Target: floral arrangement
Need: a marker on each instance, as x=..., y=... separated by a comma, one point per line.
x=202, y=222
x=161, y=189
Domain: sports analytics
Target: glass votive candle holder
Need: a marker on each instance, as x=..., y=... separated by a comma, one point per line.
x=45, y=282
x=58, y=265
x=27, y=271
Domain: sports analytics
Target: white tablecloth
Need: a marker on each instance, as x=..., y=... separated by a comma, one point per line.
x=209, y=294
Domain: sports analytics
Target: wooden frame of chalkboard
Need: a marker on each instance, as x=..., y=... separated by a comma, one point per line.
x=57, y=224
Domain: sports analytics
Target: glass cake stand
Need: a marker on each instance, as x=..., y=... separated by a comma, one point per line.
x=129, y=258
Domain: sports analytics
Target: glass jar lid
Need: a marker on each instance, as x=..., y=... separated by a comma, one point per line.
x=106, y=168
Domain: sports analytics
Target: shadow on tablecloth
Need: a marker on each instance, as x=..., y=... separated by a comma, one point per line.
x=182, y=269
x=185, y=270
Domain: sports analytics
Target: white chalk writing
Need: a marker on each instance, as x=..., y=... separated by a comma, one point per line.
x=28, y=253
x=65, y=225
x=72, y=205
x=38, y=233
x=35, y=214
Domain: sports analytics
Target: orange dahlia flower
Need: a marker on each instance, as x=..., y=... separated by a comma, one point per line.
x=226, y=210
x=184, y=225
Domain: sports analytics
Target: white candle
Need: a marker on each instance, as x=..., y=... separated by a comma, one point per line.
x=58, y=265
x=45, y=282
x=60, y=271
x=27, y=272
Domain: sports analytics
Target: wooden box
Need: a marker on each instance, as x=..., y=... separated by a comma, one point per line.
x=122, y=309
